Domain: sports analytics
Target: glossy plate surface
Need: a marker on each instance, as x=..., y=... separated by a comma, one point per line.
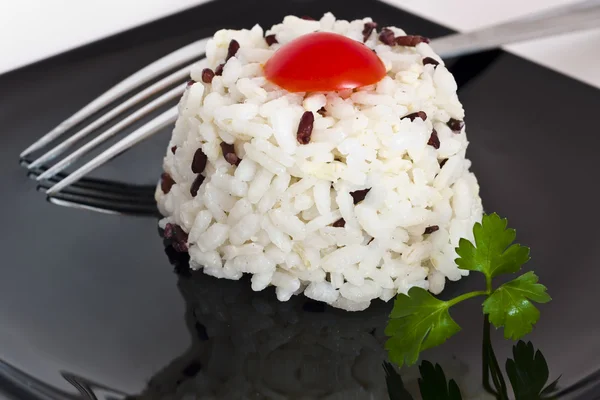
x=90, y=300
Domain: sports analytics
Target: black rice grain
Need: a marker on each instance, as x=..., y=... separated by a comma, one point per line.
x=340, y=223
x=233, y=48
x=166, y=183
x=387, y=37
x=456, y=125
x=199, y=161
x=434, y=140
x=359, y=195
x=431, y=229
x=369, y=28
x=305, y=127
x=271, y=40
x=207, y=75
x=418, y=114
x=430, y=60
x=229, y=153
x=177, y=236
x=411, y=40
x=196, y=185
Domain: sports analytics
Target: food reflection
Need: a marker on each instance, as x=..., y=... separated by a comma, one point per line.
x=248, y=345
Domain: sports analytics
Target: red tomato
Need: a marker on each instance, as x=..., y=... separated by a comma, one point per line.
x=322, y=62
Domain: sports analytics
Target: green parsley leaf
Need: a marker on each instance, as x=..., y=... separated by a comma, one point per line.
x=433, y=386
x=528, y=373
x=549, y=391
x=491, y=254
x=418, y=322
x=510, y=305
x=395, y=386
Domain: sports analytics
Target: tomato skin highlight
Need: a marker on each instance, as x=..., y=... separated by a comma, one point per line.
x=323, y=62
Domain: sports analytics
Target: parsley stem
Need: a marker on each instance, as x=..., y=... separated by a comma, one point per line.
x=488, y=284
x=485, y=366
x=466, y=296
x=491, y=362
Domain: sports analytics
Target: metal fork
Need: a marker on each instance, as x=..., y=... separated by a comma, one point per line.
x=574, y=17
x=103, y=196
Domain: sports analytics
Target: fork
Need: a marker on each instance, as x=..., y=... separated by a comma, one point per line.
x=570, y=18
x=103, y=196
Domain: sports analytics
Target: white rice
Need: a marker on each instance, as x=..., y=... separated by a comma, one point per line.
x=271, y=215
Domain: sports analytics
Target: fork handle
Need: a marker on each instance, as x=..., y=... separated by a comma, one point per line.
x=570, y=18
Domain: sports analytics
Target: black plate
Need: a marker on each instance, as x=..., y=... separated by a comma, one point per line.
x=89, y=302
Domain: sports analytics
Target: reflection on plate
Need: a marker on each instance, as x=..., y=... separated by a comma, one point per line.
x=248, y=345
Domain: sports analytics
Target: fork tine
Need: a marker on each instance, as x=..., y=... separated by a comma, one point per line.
x=95, y=184
x=115, y=207
x=129, y=195
x=149, y=91
x=184, y=54
x=104, y=196
x=83, y=150
x=144, y=132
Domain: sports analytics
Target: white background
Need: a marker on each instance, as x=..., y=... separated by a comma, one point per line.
x=31, y=30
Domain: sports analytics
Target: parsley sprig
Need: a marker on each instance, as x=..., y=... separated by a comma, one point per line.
x=420, y=321
x=527, y=372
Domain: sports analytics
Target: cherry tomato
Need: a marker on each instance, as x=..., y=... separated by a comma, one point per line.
x=322, y=62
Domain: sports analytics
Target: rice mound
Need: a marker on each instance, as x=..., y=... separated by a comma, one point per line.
x=374, y=205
